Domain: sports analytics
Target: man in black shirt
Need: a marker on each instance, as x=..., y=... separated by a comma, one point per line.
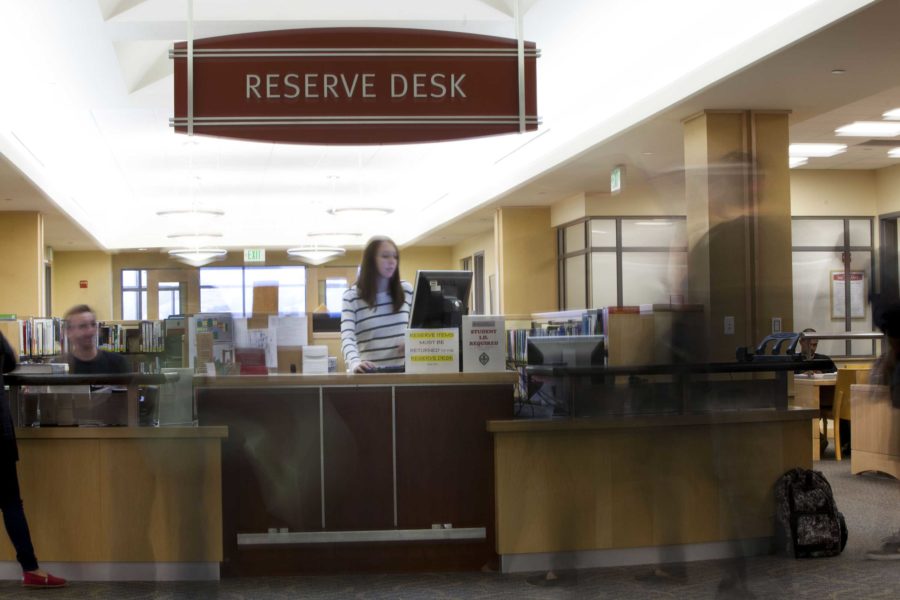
x=84, y=357
x=808, y=348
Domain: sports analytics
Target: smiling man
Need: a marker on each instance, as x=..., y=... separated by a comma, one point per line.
x=84, y=357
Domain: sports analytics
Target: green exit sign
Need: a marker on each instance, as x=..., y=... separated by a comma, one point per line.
x=254, y=255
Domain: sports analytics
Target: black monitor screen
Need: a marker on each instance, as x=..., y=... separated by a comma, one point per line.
x=567, y=350
x=440, y=299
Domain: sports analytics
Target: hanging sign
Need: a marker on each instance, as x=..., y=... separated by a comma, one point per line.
x=355, y=86
x=857, y=286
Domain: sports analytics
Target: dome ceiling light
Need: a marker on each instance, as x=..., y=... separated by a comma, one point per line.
x=316, y=254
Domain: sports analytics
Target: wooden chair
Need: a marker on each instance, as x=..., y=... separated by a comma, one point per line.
x=840, y=410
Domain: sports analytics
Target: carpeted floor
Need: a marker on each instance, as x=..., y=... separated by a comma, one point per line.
x=871, y=504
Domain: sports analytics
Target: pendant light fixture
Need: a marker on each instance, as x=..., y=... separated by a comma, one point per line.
x=316, y=254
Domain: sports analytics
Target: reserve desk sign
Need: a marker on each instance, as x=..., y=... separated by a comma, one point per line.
x=355, y=86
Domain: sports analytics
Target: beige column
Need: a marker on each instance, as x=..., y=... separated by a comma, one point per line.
x=737, y=184
x=526, y=260
x=22, y=289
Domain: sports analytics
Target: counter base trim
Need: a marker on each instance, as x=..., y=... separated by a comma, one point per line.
x=378, y=535
x=624, y=557
x=120, y=571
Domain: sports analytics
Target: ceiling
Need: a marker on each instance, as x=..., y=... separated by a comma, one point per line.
x=85, y=139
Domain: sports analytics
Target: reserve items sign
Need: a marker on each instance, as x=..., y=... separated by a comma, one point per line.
x=355, y=86
x=484, y=344
x=432, y=350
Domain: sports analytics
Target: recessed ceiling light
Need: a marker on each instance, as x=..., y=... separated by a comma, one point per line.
x=797, y=161
x=893, y=114
x=816, y=150
x=869, y=129
x=838, y=71
x=360, y=210
x=894, y=152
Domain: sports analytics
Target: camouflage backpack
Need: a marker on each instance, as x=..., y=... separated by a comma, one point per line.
x=808, y=523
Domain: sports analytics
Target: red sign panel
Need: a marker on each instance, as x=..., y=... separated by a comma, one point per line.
x=355, y=86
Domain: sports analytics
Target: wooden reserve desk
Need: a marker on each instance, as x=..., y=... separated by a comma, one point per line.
x=351, y=472
x=640, y=489
x=141, y=503
x=662, y=463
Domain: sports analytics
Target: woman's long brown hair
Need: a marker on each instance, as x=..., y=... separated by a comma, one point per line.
x=366, y=283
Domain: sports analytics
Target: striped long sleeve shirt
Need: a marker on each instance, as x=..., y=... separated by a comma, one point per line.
x=374, y=333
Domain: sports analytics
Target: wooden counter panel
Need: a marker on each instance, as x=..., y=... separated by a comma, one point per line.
x=439, y=431
x=359, y=469
x=875, y=430
x=270, y=462
x=111, y=500
x=560, y=491
x=56, y=505
x=169, y=507
x=443, y=461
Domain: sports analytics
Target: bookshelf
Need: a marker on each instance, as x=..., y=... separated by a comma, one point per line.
x=34, y=338
x=37, y=339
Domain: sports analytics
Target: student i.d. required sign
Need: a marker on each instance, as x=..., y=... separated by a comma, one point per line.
x=355, y=86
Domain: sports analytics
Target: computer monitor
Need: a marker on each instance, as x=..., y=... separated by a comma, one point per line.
x=440, y=299
x=567, y=350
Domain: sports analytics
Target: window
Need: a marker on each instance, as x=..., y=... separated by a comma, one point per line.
x=622, y=261
x=230, y=289
x=833, y=262
x=478, y=284
x=169, y=298
x=134, y=294
x=334, y=294
x=475, y=264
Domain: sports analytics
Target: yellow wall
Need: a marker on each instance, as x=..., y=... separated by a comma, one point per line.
x=22, y=267
x=483, y=242
x=424, y=257
x=887, y=187
x=70, y=268
x=526, y=255
x=842, y=193
x=660, y=195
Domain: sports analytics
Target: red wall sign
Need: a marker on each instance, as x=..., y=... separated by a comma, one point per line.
x=355, y=86
x=82, y=283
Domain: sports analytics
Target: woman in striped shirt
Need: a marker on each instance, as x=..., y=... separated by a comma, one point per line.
x=376, y=310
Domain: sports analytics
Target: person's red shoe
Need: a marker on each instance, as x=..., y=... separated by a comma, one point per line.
x=33, y=580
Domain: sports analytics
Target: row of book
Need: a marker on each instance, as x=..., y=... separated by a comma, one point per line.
x=143, y=336
x=38, y=337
